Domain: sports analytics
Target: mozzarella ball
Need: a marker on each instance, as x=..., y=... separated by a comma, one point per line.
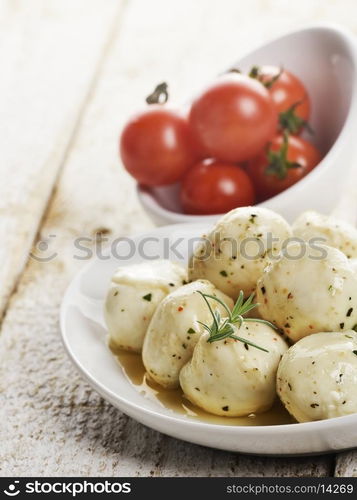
x=317, y=376
x=234, y=379
x=175, y=329
x=331, y=231
x=309, y=290
x=135, y=292
x=353, y=264
x=236, y=251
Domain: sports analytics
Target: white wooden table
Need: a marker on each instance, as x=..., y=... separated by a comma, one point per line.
x=71, y=73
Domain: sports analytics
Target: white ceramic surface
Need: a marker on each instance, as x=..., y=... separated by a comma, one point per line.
x=84, y=337
x=325, y=58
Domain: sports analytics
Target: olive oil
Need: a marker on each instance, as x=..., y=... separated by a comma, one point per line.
x=175, y=400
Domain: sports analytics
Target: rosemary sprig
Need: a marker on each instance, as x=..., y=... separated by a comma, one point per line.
x=222, y=329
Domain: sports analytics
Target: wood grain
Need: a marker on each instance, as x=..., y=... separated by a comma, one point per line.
x=346, y=464
x=49, y=53
x=54, y=423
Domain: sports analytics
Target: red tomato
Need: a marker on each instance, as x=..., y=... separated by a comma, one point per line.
x=233, y=119
x=155, y=146
x=285, y=161
x=213, y=187
x=289, y=95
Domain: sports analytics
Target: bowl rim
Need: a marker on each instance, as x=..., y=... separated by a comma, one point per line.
x=150, y=202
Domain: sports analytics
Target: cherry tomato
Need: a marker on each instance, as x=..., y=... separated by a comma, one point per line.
x=155, y=146
x=233, y=119
x=214, y=187
x=285, y=161
x=289, y=95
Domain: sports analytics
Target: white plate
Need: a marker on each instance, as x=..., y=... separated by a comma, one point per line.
x=84, y=337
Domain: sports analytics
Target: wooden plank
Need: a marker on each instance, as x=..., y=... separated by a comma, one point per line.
x=49, y=52
x=346, y=464
x=183, y=459
x=54, y=423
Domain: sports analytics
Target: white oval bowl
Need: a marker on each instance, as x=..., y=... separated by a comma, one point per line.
x=325, y=58
x=84, y=337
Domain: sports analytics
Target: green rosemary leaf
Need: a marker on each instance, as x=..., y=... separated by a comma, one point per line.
x=245, y=341
x=224, y=328
x=206, y=327
x=263, y=321
x=238, y=304
x=223, y=304
x=226, y=332
x=244, y=308
x=210, y=309
x=217, y=315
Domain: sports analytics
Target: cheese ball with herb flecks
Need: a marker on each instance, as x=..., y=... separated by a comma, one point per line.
x=231, y=378
x=236, y=251
x=175, y=329
x=329, y=230
x=309, y=289
x=317, y=377
x=135, y=292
